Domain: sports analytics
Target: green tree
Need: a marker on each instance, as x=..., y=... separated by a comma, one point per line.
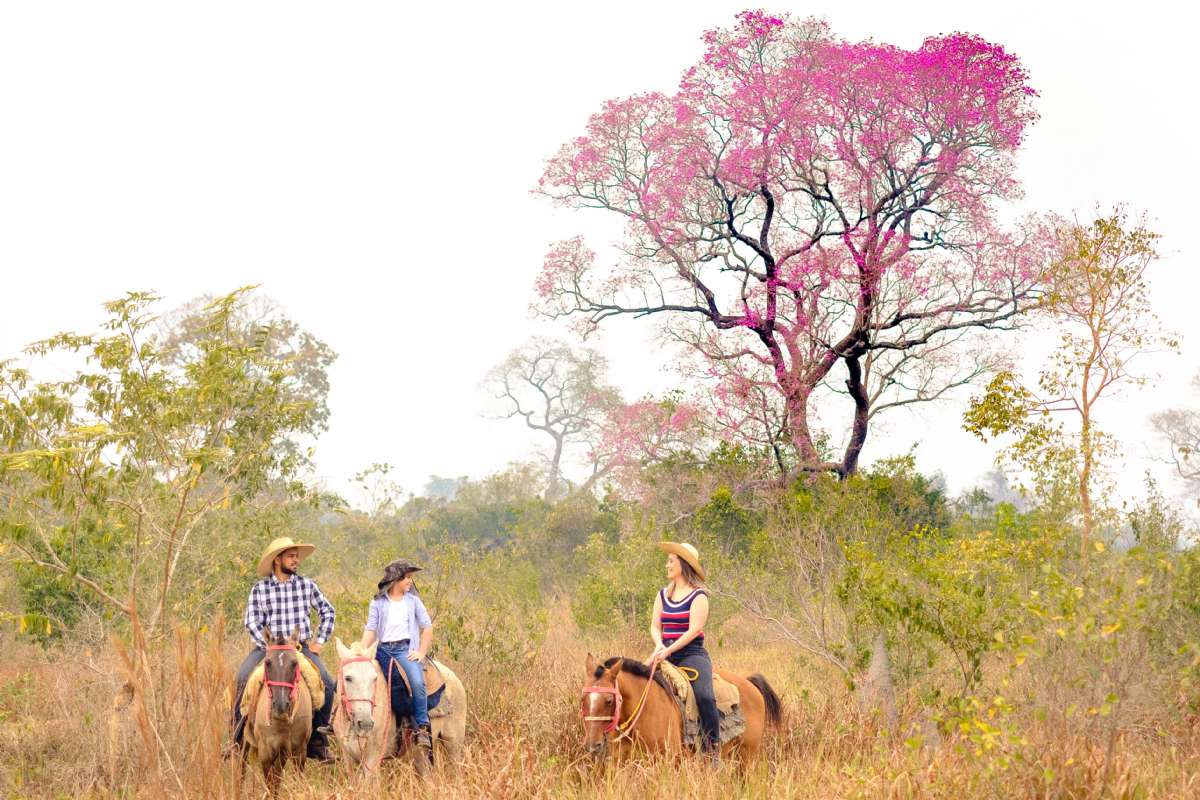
x=106, y=476
x=1099, y=296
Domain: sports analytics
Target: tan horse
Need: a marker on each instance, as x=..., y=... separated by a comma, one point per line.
x=279, y=729
x=626, y=706
x=449, y=720
x=362, y=718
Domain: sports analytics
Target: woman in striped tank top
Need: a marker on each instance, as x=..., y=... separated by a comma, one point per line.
x=677, y=627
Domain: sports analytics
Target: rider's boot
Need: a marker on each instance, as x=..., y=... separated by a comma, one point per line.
x=425, y=745
x=236, y=740
x=318, y=748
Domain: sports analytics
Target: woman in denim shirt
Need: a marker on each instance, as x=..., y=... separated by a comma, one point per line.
x=398, y=619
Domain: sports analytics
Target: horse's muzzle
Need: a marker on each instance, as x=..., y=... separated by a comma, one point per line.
x=598, y=749
x=363, y=726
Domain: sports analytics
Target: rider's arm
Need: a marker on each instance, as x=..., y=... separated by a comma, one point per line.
x=325, y=611
x=656, y=621
x=371, y=631
x=256, y=618
x=426, y=640
x=696, y=621
x=426, y=626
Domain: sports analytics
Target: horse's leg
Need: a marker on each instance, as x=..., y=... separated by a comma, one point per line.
x=300, y=757
x=270, y=768
x=452, y=748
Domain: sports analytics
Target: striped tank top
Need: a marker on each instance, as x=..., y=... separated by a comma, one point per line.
x=676, y=616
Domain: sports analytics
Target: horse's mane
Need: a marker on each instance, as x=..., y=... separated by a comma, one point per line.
x=634, y=667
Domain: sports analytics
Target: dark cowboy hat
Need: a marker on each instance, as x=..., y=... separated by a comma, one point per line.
x=396, y=571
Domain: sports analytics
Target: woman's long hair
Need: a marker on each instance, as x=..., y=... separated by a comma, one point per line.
x=690, y=575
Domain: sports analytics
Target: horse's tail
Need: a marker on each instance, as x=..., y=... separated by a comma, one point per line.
x=771, y=700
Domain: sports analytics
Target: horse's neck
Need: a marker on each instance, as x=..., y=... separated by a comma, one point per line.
x=632, y=696
x=383, y=696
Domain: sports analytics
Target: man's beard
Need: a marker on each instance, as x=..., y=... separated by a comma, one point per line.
x=287, y=570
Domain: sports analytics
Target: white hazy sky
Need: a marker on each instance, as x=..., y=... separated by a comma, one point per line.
x=370, y=164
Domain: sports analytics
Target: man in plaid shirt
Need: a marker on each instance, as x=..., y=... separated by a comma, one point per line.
x=281, y=602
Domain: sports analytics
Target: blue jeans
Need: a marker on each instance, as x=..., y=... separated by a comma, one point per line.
x=395, y=656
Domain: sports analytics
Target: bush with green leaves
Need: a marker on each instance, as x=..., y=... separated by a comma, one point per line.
x=109, y=475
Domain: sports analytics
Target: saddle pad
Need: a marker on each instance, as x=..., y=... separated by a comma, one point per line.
x=308, y=672
x=727, y=694
x=434, y=682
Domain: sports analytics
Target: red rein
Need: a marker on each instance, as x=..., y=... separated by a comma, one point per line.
x=346, y=701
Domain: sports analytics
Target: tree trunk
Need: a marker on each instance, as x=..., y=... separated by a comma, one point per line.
x=1085, y=491
x=552, y=484
x=797, y=416
x=877, y=694
x=858, y=429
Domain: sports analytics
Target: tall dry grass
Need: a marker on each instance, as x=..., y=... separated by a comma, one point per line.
x=81, y=724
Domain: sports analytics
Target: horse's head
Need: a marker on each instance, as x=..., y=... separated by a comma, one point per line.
x=601, y=704
x=357, y=677
x=282, y=671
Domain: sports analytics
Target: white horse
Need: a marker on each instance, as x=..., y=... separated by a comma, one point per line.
x=362, y=711
x=362, y=716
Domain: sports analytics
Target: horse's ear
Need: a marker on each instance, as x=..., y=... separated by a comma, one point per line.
x=589, y=666
x=342, y=650
x=616, y=666
x=295, y=637
x=268, y=637
x=370, y=651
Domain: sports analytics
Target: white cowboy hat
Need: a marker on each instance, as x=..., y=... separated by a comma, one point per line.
x=278, y=546
x=685, y=551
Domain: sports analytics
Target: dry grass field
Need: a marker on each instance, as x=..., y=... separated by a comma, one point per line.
x=70, y=726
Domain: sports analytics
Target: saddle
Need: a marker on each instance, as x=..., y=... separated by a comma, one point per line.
x=308, y=673
x=733, y=723
x=435, y=684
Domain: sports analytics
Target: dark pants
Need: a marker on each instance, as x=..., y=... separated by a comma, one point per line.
x=695, y=656
x=320, y=715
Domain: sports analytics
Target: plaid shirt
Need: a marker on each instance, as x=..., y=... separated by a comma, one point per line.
x=283, y=606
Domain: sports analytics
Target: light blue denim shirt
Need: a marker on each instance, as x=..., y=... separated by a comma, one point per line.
x=416, y=618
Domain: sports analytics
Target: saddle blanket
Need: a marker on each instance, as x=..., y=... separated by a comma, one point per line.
x=733, y=723
x=435, y=685
x=308, y=672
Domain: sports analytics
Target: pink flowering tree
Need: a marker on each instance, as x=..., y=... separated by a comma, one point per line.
x=801, y=203
x=647, y=431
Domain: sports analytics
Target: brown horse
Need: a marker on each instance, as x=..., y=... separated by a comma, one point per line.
x=281, y=723
x=627, y=705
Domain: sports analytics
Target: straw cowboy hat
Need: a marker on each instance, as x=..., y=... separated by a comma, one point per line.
x=278, y=546
x=685, y=551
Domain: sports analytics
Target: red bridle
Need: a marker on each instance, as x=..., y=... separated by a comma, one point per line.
x=295, y=682
x=615, y=719
x=346, y=701
x=614, y=722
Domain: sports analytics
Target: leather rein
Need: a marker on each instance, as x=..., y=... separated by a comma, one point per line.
x=622, y=729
